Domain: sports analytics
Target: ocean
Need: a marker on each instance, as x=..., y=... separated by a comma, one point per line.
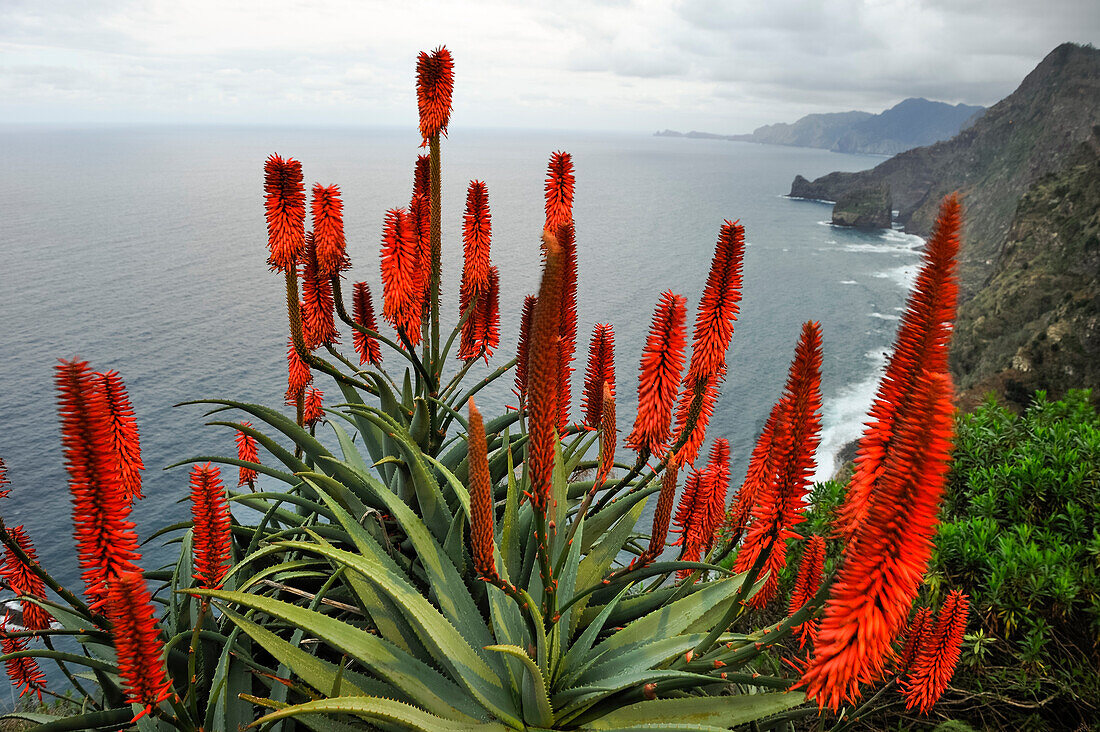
x=143, y=250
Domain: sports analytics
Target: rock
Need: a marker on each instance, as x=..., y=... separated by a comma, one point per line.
x=868, y=207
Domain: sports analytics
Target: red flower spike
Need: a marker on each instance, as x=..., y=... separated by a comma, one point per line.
x=759, y=478
x=919, y=627
x=489, y=314
x=718, y=483
x=285, y=201
x=686, y=508
x=542, y=372
x=124, y=432
x=24, y=582
x=435, y=81
x=481, y=498
x=887, y=556
x=794, y=444
x=317, y=307
x=4, y=479
x=402, y=281
x=608, y=434
x=662, y=361
x=719, y=306
x=366, y=346
x=23, y=671
x=690, y=450
x=662, y=516
x=559, y=191
x=328, y=230
x=314, y=407
x=105, y=539
x=298, y=374
x=600, y=371
x=422, y=177
x=247, y=451
x=476, y=238
x=211, y=521
x=567, y=325
x=938, y=655
x=137, y=642
x=523, y=347
x=807, y=582
x=921, y=345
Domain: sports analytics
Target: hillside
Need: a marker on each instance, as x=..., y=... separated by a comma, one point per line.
x=1036, y=323
x=908, y=124
x=1027, y=135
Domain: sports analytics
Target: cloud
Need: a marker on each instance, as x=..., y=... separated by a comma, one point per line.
x=632, y=64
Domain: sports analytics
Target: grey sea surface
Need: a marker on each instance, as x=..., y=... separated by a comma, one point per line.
x=143, y=250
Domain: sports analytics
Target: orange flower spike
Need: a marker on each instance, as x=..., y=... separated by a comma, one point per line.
x=781, y=508
x=523, y=346
x=690, y=450
x=298, y=374
x=481, y=498
x=285, y=201
x=662, y=514
x=807, y=583
x=24, y=672
x=124, y=432
x=608, y=434
x=421, y=176
x=921, y=344
x=938, y=655
x=366, y=346
x=718, y=473
x=719, y=305
x=885, y=561
x=25, y=582
x=105, y=539
x=919, y=627
x=662, y=361
x=402, y=281
x=686, y=509
x=490, y=314
x=559, y=191
x=211, y=521
x=567, y=325
x=137, y=642
x=542, y=374
x=759, y=478
x=248, y=451
x=600, y=371
x=328, y=230
x=314, y=407
x=476, y=238
x=435, y=81
x=318, y=307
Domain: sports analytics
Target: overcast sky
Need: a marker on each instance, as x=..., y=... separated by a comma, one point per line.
x=616, y=64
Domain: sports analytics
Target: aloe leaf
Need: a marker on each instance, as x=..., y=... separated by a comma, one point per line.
x=602, y=520
x=418, y=428
x=450, y=649
x=347, y=448
x=382, y=710
x=111, y=718
x=388, y=401
x=62, y=657
x=649, y=654
x=461, y=494
x=594, y=566
x=711, y=712
x=573, y=661
x=373, y=438
x=567, y=587
x=426, y=686
x=451, y=592
x=674, y=618
x=284, y=456
x=575, y=700
x=536, y=702
x=454, y=547
x=301, y=437
x=320, y=674
x=285, y=477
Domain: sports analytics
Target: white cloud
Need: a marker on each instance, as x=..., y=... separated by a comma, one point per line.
x=632, y=64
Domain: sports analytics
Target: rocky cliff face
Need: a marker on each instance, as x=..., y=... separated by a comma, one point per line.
x=1029, y=134
x=864, y=208
x=1036, y=322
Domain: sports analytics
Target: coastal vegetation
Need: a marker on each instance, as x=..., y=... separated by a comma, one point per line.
x=444, y=570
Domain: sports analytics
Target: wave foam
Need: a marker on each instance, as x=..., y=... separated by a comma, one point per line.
x=843, y=415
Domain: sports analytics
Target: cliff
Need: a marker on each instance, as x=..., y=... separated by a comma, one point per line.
x=1027, y=135
x=1036, y=322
